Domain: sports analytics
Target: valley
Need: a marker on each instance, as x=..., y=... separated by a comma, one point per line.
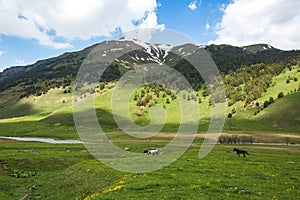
x=262, y=86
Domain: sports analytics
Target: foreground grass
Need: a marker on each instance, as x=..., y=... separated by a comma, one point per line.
x=265, y=174
x=51, y=171
x=69, y=172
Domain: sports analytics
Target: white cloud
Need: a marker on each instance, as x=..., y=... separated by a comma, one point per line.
x=247, y=22
x=194, y=4
x=146, y=31
x=1, y=53
x=18, y=61
x=56, y=23
x=207, y=26
x=222, y=7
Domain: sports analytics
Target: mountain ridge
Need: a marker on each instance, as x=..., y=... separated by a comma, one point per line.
x=63, y=68
x=10, y=71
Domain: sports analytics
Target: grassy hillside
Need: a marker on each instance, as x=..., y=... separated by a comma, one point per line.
x=50, y=115
x=284, y=113
x=280, y=116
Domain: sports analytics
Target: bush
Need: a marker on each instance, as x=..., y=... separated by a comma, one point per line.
x=280, y=95
x=266, y=104
x=199, y=100
x=233, y=111
x=168, y=101
x=230, y=103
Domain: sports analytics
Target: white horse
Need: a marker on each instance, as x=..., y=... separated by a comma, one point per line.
x=153, y=152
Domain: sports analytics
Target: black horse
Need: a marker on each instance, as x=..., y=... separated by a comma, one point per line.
x=238, y=152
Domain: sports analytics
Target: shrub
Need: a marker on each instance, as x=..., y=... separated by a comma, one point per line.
x=230, y=103
x=266, y=104
x=199, y=100
x=271, y=100
x=168, y=101
x=233, y=111
x=280, y=95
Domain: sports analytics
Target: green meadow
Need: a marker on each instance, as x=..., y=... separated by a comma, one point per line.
x=47, y=171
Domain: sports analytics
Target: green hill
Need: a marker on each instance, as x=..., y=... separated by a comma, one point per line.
x=37, y=101
x=50, y=115
x=282, y=114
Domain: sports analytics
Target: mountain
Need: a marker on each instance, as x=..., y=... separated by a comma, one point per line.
x=258, y=48
x=61, y=70
x=253, y=77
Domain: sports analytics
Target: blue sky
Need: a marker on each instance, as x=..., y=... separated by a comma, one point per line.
x=32, y=30
x=178, y=16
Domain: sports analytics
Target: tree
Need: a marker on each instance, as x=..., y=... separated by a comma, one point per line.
x=168, y=101
x=189, y=97
x=230, y=103
x=266, y=104
x=280, y=95
x=233, y=111
x=205, y=93
x=199, y=100
x=173, y=96
x=271, y=100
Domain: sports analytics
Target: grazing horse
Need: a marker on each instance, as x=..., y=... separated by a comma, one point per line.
x=146, y=151
x=238, y=152
x=151, y=152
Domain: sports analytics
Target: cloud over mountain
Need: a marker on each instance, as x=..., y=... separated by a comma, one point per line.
x=56, y=23
x=274, y=22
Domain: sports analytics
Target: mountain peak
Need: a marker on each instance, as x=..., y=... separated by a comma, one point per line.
x=257, y=48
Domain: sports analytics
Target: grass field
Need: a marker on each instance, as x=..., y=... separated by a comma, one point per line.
x=69, y=172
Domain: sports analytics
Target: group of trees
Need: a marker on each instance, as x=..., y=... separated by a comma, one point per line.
x=267, y=103
x=190, y=96
x=40, y=88
x=235, y=139
x=249, y=83
x=150, y=93
x=289, y=79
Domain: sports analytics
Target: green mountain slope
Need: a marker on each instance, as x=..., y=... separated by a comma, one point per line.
x=282, y=114
x=37, y=101
x=50, y=115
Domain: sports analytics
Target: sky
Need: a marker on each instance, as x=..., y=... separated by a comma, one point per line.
x=32, y=30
